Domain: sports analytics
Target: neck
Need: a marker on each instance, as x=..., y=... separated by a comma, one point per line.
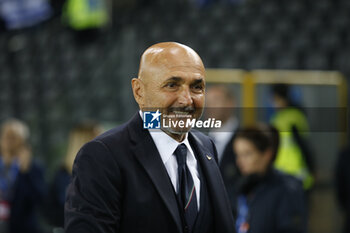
x=265, y=172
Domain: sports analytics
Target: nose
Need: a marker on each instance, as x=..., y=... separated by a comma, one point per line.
x=185, y=98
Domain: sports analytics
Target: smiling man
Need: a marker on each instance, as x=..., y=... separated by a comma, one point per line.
x=135, y=180
x=171, y=78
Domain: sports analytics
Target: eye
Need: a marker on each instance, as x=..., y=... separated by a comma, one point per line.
x=198, y=87
x=171, y=85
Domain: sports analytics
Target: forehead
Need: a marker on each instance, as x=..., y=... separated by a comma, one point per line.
x=241, y=142
x=186, y=68
x=185, y=72
x=176, y=61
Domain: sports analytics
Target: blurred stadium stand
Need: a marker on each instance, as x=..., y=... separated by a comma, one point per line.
x=51, y=80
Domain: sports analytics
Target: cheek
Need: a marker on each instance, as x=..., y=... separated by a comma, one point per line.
x=243, y=161
x=259, y=165
x=156, y=100
x=199, y=100
x=167, y=100
x=245, y=166
x=248, y=163
x=263, y=163
x=14, y=143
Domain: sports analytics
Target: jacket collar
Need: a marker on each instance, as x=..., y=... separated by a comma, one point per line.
x=148, y=156
x=215, y=185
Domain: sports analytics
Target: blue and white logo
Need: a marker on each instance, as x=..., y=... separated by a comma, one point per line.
x=151, y=120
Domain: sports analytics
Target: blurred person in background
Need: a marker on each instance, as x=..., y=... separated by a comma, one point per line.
x=265, y=200
x=294, y=156
x=22, y=185
x=342, y=181
x=79, y=135
x=220, y=104
x=19, y=14
x=86, y=18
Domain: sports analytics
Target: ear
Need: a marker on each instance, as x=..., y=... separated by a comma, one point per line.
x=138, y=91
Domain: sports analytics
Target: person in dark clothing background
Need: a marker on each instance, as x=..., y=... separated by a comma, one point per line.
x=342, y=180
x=78, y=136
x=22, y=185
x=265, y=200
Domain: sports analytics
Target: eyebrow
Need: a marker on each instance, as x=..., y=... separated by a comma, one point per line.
x=175, y=79
x=198, y=81
x=178, y=79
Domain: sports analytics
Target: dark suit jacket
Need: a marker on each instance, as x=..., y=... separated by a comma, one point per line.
x=342, y=185
x=120, y=184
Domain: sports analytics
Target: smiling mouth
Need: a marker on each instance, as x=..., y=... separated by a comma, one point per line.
x=181, y=113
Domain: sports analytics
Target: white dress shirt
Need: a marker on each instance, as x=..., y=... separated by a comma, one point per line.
x=166, y=146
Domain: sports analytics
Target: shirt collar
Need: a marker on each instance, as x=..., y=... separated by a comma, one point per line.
x=166, y=145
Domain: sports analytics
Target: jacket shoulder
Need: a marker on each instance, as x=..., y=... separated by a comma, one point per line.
x=201, y=136
x=117, y=131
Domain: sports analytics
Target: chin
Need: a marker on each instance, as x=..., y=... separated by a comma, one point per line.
x=177, y=131
x=245, y=173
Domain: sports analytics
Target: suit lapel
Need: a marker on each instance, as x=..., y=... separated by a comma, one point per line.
x=206, y=161
x=148, y=156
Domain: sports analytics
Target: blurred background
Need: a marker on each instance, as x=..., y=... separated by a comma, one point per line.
x=63, y=62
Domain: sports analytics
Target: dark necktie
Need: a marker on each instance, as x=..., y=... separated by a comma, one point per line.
x=187, y=190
